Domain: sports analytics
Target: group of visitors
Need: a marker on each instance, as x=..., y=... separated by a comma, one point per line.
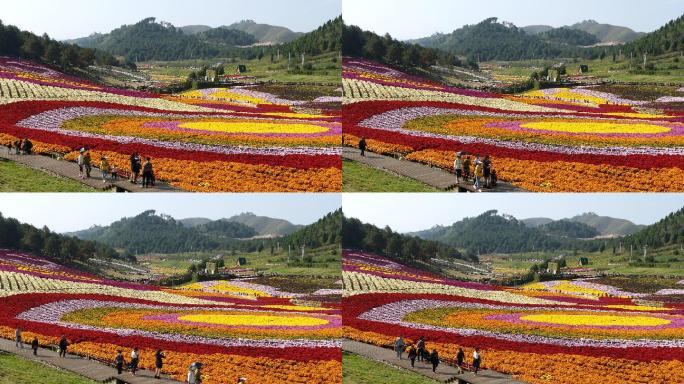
x=20, y=147
x=137, y=166
x=120, y=362
x=420, y=352
x=483, y=175
x=35, y=344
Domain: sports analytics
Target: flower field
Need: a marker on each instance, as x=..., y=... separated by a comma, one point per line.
x=562, y=335
x=236, y=329
x=237, y=140
x=552, y=140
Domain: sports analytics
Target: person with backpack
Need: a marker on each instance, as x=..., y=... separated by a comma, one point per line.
x=87, y=164
x=119, y=361
x=194, y=373
x=478, y=175
x=487, y=171
x=27, y=146
x=135, y=167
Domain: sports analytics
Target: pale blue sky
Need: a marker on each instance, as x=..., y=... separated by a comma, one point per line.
x=407, y=19
x=411, y=212
x=68, y=19
x=70, y=212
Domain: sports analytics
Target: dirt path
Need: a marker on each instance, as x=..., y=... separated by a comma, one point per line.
x=69, y=170
x=91, y=369
x=445, y=373
x=432, y=176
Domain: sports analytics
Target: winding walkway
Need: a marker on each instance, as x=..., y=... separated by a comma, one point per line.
x=445, y=373
x=69, y=170
x=432, y=176
x=91, y=369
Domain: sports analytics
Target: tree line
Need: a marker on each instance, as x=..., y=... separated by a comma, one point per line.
x=359, y=235
x=360, y=43
x=17, y=43
x=65, y=250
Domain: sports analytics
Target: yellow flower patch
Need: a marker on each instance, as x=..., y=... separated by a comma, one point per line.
x=256, y=320
x=253, y=127
x=586, y=127
x=597, y=320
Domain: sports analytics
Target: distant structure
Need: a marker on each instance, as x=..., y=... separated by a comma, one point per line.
x=553, y=268
x=583, y=68
x=240, y=69
x=583, y=261
x=210, y=269
x=211, y=76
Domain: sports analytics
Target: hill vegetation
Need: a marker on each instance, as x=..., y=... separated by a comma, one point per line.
x=17, y=43
x=264, y=32
x=358, y=235
x=265, y=226
x=66, y=250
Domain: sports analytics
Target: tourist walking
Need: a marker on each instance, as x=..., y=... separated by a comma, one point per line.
x=34, y=345
x=477, y=359
x=17, y=147
x=158, y=363
x=87, y=164
x=458, y=167
x=194, y=373
x=487, y=171
x=412, y=353
x=460, y=356
x=421, y=348
x=104, y=168
x=147, y=174
x=119, y=361
x=434, y=359
x=135, y=358
x=79, y=161
x=27, y=146
x=135, y=167
x=362, y=146
x=478, y=175
x=17, y=339
x=399, y=346
x=466, y=168
x=9, y=147
x=63, y=345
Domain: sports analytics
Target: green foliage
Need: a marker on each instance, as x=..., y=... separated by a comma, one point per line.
x=358, y=235
x=494, y=233
x=226, y=229
x=14, y=42
x=325, y=231
x=669, y=38
x=567, y=228
x=357, y=42
x=64, y=249
x=668, y=231
x=568, y=36
x=326, y=38
x=222, y=37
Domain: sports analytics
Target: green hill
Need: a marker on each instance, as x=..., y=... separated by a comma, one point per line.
x=604, y=225
x=265, y=226
x=607, y=33
x=669, y=38
x=265, y=32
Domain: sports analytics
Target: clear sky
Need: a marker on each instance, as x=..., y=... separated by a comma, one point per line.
x=70, y=212
x=68, y=19
x=411, y=212
x=407, y=19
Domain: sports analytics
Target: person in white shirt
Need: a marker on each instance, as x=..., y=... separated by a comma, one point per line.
x=135, y=358
x=476, y=360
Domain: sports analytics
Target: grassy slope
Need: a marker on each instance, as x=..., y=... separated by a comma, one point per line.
x=361, y=178
x=327, y=68
x=605, y=261
x=359, y=370
x=16, y=370
x=606, y=68
x=327, y=261
x=18, y=178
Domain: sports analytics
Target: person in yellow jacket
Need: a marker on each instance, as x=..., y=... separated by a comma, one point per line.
x=104, y=168
x=479, y=172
